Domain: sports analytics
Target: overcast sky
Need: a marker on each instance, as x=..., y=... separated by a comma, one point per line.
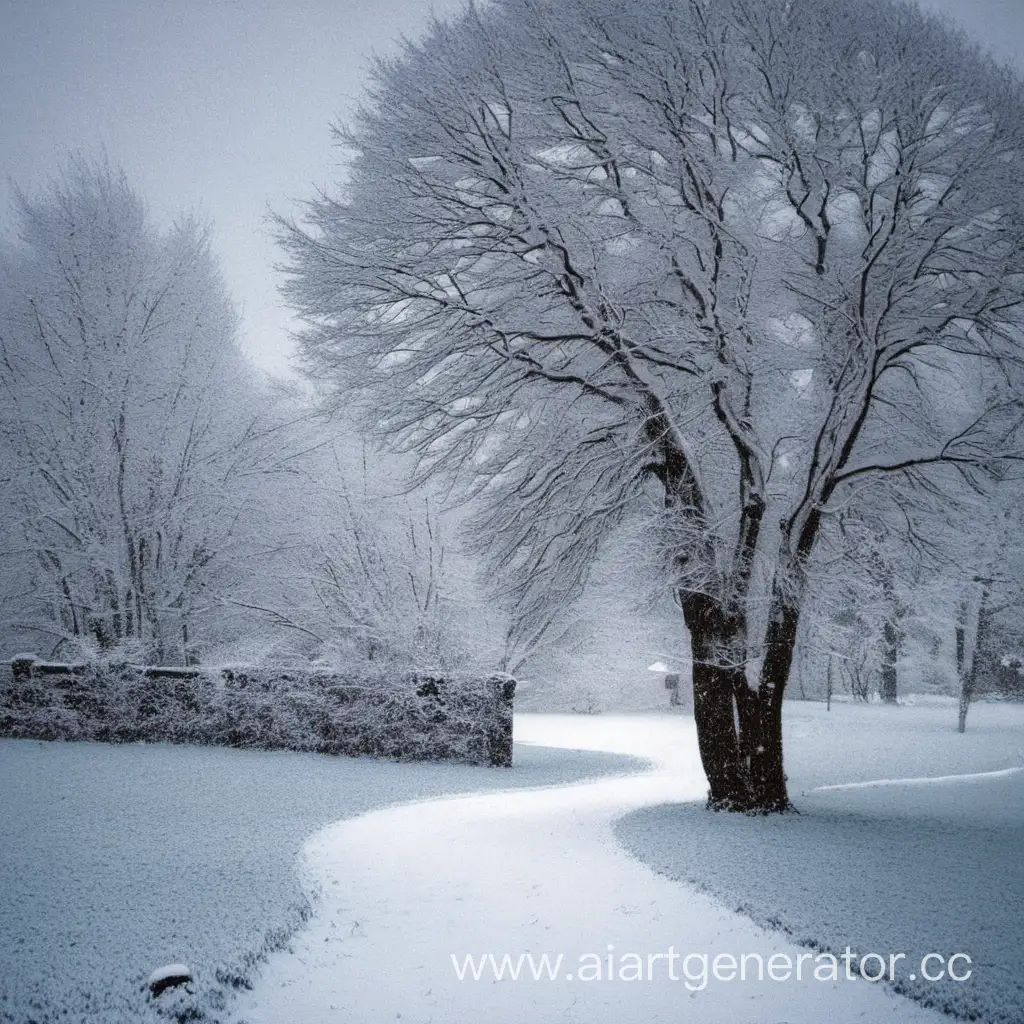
x=224, y=105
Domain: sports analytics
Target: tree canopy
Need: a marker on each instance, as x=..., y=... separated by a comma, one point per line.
x=730, y=266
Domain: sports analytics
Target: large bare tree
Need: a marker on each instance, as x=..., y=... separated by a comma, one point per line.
x=728, y=266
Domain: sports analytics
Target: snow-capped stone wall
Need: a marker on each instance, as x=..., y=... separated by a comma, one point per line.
x=405, y=716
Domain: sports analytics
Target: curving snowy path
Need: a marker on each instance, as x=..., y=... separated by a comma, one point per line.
x=402, y=889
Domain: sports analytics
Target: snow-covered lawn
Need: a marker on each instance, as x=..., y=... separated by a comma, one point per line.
x=117, y=860
x=908, y=867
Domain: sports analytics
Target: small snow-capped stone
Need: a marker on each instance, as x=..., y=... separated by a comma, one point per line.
x=167, y=977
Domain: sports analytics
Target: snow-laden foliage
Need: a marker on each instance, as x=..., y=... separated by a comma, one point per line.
x=360, y=570
x=594, y=654
x=376, y=711
x=135, y=438
x=734, y=269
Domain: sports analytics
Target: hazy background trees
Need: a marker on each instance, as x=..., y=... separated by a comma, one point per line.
x=161, y=499
x=364, y=569
x=129, y=419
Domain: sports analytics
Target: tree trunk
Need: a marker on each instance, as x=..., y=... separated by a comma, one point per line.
x=961, y=653
x=892, y=641
x=967, y=660
x=769, y=777
x=718, y=738
x=965, y=706
x=739, y=729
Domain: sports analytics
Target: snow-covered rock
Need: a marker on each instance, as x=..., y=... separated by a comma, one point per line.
x=168, y=976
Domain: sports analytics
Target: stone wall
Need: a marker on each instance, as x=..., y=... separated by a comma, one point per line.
x=405, y=716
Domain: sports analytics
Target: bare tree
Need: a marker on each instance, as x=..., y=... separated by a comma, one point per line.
x=361, y=570
x=729, y=268
x=989, y=588
x=134, y=433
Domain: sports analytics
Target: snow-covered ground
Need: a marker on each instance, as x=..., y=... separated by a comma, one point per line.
x=121, y=860
x=405, y=889
x=911, y=866
x=118, y=860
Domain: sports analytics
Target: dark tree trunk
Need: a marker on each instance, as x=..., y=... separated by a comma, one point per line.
x=715, y=711
x=965, y=695
x=739, y=729
x=892, y=642
x=719, y=739
x=969, y=672
x=767, y=772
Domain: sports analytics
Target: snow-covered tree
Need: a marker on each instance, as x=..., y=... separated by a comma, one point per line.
x=989, y=588
x=134, y=434
x=365, y=571
x=730, y=268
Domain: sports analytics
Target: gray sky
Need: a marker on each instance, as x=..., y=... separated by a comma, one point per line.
x=224, y=105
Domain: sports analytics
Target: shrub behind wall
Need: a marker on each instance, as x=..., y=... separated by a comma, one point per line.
x=405, y=716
